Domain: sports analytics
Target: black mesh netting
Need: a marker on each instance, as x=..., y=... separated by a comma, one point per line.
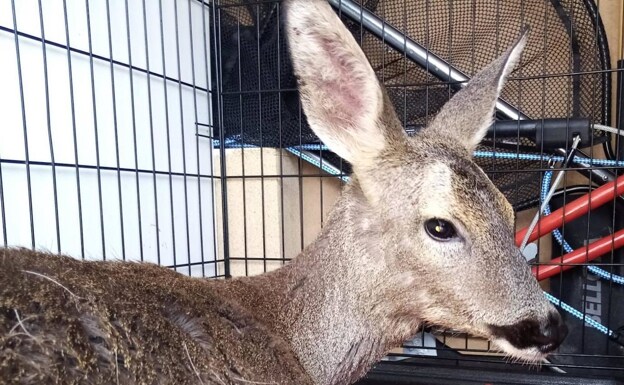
x=560, y=74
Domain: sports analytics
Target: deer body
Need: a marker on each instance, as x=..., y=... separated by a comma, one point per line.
x=419, y=236
x=128, y=323
x=140, y=323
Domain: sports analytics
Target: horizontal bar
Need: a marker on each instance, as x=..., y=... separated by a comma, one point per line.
x=102, y=58
x=580, y=256
x=104, y=168
x=574, y=209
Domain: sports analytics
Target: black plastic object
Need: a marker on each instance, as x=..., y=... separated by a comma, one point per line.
x=429, y=374
x=451, y=367
x=586, y=347
x=547, y=133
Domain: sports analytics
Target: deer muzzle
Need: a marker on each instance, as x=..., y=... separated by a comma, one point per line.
x=544, y=335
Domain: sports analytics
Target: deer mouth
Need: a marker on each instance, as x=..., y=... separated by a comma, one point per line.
x=530, y=339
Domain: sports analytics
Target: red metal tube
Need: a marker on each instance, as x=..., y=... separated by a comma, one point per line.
x=574, y=209
x=579, y=256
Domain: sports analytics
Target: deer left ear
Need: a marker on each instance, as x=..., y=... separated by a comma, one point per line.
x=467, y=116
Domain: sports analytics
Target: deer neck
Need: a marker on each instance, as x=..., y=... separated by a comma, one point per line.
x=337, y=303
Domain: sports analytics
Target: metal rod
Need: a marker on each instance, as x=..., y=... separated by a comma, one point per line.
x=414, y=51
x=216, y=23
x=151, y=126
x=168, y=129
x=134, y=135
x=96, y=135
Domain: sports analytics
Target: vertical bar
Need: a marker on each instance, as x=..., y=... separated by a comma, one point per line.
x=543, y=113
x=612, y=259
x=492, y=161
x=168, y=130
x=49, y=124
x=620, y=109
x=281, y=153
x=427, y=52
x=404, y=50
x=134, y=132
x=572, y=105
x=619, y=142
x=24, y=122
x=518, y=169
x=208, y=71
x=300, y=172
x=199, y=200
x=74, y=129
x=115, y=128
x=186, y=214
x=224, y=204
x=2, y=209
x=242, y=140
x=606, y=117
x=151, y=122
x=95, y=128
x=262, y=201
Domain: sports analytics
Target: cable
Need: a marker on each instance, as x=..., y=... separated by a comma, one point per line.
x=588, y=320
x=610, y=129
x=544, y=158
x=549, y=194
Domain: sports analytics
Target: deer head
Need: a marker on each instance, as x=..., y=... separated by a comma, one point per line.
x=433, y=222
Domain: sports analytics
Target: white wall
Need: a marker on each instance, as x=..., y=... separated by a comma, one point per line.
x=94, y=90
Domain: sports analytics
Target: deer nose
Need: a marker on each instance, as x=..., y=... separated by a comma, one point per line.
x=553, y=332
x=545, y=335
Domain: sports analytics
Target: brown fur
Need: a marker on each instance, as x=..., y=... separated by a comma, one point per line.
x=128, y=323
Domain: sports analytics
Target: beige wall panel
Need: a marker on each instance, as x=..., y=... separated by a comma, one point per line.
x=285, y=202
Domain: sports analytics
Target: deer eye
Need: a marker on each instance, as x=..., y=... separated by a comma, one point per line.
x=440, y=230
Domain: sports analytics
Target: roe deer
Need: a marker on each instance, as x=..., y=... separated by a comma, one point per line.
x=419, y=236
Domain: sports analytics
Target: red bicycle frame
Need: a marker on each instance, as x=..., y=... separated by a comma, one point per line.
x=571, y=211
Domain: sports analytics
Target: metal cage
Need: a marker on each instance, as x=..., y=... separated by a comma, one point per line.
x=170, y=131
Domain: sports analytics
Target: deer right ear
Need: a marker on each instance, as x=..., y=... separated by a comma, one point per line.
x=467, y=116
x=340, y=94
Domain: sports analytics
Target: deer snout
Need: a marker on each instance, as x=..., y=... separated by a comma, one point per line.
x=543, y=335
x=552, y=333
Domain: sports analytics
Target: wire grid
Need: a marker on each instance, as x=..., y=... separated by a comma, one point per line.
x=565, y=73
x=106, y=149
x=109, y=149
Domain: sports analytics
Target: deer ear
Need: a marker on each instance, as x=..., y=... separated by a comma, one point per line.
x=340, y=94
x=469, y=113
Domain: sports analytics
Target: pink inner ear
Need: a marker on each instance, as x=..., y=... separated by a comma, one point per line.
x=343, y=83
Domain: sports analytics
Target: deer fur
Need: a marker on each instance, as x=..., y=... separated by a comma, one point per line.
x=371, y=280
